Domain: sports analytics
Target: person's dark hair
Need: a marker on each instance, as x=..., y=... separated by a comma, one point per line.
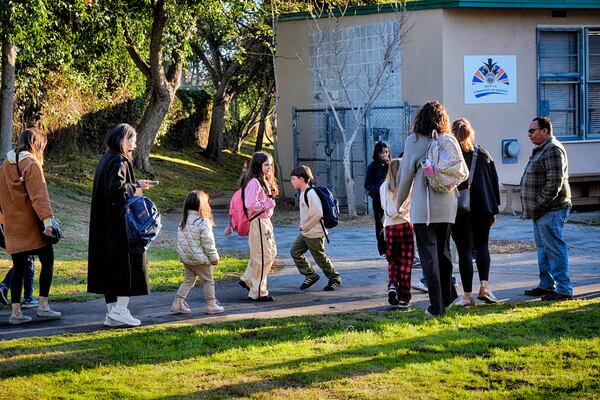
x=192, y=202
x=378, y=149
x=34, y=141
x=304, y=172
x=432, y=116
x=544, y=122
x=255, y=171
x=118, y=135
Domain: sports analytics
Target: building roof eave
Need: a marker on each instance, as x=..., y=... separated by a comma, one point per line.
x=415, y=5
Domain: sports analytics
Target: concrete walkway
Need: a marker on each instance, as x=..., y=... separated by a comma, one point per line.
x=364, y=273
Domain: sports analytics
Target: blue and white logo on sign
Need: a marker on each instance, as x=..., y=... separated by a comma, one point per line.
x=490, y=79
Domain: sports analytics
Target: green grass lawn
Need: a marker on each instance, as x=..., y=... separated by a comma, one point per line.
x=535, y=351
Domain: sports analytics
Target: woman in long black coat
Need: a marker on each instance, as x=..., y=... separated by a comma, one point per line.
x=112, y=270
x=376, y=172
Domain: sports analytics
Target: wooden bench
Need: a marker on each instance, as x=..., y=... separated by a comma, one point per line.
x=585, y=192
x=585, y=189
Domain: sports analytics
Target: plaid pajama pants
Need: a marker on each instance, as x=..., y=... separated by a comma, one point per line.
x=400, y=254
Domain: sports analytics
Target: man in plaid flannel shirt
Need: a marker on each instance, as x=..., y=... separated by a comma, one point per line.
x=546, y=198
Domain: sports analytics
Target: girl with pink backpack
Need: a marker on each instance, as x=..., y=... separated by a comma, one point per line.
x=259, y=187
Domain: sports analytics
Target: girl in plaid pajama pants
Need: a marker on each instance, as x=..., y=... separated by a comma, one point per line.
x=399, y=238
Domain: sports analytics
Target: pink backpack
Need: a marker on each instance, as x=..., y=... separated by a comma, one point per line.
x=449, y=167
x=238, y=215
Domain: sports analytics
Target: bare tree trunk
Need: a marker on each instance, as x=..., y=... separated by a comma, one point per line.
x=217, y=125
x=348, y=181
x=9, y=55
x=262, y=122
x=153, y=117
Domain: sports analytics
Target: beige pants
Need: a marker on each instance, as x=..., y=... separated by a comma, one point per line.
x=262, y=255
x=191, y=272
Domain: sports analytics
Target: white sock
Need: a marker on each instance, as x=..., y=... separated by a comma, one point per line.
x=122, y=301
x=110, y=306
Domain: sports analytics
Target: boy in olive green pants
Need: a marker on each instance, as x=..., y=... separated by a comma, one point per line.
x=312, y=234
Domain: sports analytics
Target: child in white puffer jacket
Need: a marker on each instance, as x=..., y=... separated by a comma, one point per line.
x=197, y=252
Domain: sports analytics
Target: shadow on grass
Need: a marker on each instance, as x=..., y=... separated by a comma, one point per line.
x=152, y=346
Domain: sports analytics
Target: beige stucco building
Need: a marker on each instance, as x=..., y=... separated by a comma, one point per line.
x=550, y=50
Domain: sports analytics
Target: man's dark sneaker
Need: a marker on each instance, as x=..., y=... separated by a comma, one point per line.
x=554, y=296
x=332, y=285
x=392, y=296
x=308, y=282
x=262, y=299
x=3, y=294
x=243, y=284
x=538, y=291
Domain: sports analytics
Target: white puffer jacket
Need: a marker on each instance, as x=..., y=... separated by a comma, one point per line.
x=196, y=242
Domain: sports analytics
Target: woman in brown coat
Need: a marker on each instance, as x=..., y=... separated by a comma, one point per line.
x=112, y=270
x=24, y=202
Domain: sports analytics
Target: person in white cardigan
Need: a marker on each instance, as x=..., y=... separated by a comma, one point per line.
x=400, y=250
x=433, y=237
x=197, y=252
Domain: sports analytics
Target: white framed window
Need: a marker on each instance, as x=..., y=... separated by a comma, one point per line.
x=568, y=65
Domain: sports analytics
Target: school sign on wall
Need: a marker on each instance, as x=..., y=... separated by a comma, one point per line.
x=490, y=79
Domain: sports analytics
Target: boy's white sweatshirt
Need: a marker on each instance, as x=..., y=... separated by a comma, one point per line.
x=310, y=215
x=390, y=212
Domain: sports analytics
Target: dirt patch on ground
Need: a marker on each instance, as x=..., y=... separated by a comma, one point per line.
x=498, y=246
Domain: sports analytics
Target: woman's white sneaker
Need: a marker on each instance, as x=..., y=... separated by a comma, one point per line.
x=21, y=319
x=122, y=315
x=48, y=313
x=111, y=323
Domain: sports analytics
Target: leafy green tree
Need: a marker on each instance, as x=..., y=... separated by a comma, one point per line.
x=234, y=37
x=20, y=21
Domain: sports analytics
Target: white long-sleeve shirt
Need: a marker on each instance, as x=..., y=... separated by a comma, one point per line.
x=390, y=210
x=310, y=215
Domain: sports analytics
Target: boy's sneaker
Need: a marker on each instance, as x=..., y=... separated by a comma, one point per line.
x=392, y=296
x=21, y=319
x=420, y=286
x=48, y=313
x=332, y=285
x=309, y=281
x=3, y=294
x=30, y=302
x=403, y=305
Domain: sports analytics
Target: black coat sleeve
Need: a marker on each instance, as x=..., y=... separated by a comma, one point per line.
x=119, y=183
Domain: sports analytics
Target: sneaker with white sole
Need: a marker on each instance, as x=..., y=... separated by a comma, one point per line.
x=3, y=294
x=30, y=302
x=16, y=320
x=485, y=294
x=461, y=301
x=122, y=315
x=111, y=323
x=392, y=296
x=420, y=286
x=403, y=305
x=48, y=313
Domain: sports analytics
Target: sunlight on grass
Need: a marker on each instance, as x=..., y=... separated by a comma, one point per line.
x=181, y=162
x=532, y=351
x=69, y=282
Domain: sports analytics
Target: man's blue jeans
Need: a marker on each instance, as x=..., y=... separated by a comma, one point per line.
x=552, y=253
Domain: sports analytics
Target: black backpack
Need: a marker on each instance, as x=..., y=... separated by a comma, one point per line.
x=329, y=205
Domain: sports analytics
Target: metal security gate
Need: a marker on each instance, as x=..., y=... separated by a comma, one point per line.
x=319, y=144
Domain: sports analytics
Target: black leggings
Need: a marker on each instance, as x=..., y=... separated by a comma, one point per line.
x=21, y=263
x=472, y=232
x=378, y=216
